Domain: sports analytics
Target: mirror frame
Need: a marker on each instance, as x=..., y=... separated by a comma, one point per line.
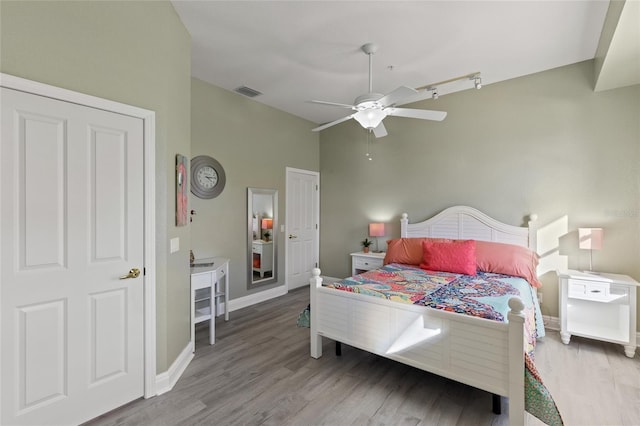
x=251, y=284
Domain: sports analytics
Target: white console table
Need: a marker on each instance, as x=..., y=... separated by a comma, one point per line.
x=209, y=287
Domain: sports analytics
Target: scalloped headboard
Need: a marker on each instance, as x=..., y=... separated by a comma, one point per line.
x=467, y=223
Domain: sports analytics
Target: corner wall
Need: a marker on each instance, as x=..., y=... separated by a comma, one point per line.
x=544, y=143
x=136, y=53
x=254, y=143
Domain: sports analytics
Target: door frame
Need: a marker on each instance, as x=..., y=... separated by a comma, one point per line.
x=148, y=118
x=289, y=170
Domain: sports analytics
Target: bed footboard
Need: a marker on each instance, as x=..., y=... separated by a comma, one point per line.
x=482, y=353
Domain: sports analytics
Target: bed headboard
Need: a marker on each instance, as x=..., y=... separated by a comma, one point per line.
x=467, y=223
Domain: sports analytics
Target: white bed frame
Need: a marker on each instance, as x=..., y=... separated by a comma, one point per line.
x=486, y=354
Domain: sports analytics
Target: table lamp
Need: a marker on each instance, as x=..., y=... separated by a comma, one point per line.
x=266, y=225
x=376, y=230
x=590, y=239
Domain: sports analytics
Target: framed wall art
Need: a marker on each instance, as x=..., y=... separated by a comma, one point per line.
x=181, y=190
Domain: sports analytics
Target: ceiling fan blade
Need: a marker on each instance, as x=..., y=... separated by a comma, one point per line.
x=332, y=104
x=332, y=123
x=396, y=96
x=423, y=114
x=380, y=131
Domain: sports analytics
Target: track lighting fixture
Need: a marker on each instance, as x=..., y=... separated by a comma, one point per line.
x=433, y=88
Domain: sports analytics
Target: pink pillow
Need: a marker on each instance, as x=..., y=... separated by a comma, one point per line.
x=407, y=251
x=507, y=259
x=457, y=256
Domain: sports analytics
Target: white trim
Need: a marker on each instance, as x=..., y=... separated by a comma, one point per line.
x=164, y=382
x=551, y=323
x=148, y=118
x=256, y=298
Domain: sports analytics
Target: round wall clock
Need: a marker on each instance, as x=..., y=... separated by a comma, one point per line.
x=207, y=177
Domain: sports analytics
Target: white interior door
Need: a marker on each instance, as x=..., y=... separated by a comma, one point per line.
x=71, y=223
x=303, y=223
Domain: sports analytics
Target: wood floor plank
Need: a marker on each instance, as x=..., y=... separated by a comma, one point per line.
x=260, y=372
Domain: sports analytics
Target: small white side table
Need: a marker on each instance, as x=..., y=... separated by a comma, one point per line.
x=598, y=306
x=361, y=261
x=209, y=286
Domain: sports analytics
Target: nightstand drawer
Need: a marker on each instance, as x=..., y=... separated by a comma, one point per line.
x=590, y=290
x=201, y=281
x=367, y=263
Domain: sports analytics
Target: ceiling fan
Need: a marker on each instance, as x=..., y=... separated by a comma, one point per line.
x=371, y=108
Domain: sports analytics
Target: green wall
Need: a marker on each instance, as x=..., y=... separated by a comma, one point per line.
x=137, y=53
x=544, y=143
x=254, y=143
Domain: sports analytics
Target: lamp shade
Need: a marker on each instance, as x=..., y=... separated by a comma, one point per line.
x=376, y=229
x=267, y=223
x=590, y=238
x=370, y=118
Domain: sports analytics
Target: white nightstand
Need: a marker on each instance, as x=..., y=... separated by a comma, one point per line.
x=361, y=261
x=599, y=306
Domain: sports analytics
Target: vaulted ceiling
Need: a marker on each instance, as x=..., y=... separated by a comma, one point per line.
x=296, y=51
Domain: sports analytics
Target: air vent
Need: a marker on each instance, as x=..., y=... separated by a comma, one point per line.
x=247, y=91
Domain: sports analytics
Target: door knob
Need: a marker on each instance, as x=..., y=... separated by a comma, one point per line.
x=133, y=273
x=292, y=236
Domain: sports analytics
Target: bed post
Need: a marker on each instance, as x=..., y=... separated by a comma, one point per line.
x=316, y=340
x=404, y=221
x=533, y=233
x=516, y=362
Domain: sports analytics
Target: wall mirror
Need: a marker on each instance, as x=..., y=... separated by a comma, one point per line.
x=262, y=253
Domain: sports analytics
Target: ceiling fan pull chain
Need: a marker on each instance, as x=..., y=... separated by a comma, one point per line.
x=369, y=157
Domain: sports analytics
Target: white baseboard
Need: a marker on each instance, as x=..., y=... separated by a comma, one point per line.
x=253, y=299
x=552, y=323
x=256, y=298
x=167, y=380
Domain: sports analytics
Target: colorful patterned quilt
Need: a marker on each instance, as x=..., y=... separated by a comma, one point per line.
x=485, y=295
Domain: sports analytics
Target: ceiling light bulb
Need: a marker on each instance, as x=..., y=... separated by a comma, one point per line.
x=435, y=95
x=478, y=83
x=370, y=118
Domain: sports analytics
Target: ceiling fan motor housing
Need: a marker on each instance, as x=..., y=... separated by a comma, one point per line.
x=369, y=100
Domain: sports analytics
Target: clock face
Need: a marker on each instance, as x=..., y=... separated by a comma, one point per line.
x=207, y=177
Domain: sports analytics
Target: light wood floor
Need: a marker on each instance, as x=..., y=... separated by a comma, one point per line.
x=260, y=372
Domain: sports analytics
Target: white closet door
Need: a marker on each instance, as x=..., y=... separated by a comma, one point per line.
x=71, y=223
x=303, y=219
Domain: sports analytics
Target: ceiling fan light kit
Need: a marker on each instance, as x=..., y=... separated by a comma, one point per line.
x=371, y=108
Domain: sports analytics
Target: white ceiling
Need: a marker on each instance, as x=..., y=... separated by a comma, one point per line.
x=296, y=51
